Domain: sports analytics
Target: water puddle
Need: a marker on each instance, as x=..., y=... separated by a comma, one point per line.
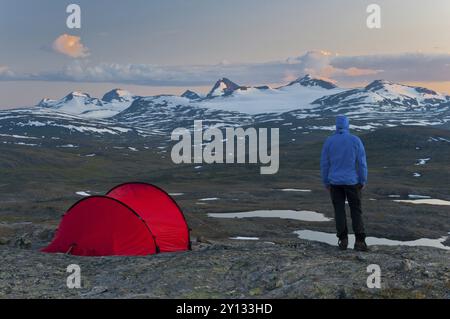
x=331, y=239
x=308, y=216
x=412, y=196
x=436, y=202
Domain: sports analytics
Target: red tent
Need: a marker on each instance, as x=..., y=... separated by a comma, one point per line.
x=132, y=219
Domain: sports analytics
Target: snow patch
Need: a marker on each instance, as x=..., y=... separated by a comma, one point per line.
x=244, y=238
x=209, y=199
x=82, y=193
x=296, y=190
x=412, y=196
x=67, y=146
x=422, y=161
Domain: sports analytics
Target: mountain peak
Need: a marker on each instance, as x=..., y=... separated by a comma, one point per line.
x=76, y=94
x=398, y=88
x=45, y=102
x=377, y=85
x=227, y=81
x=191, y=95
x=80, y=94
x=117, y=95
x=223, y=87
x=309, y=81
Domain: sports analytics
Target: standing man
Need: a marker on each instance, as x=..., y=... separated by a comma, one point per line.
x=344, y=173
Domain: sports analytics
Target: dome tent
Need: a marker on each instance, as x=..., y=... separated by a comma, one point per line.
x=159, y=211
x=133, y=219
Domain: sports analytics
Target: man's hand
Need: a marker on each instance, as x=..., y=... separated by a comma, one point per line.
x=361, y=186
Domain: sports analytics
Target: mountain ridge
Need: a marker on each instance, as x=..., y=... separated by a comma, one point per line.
x=376, y=92
x=301, y=106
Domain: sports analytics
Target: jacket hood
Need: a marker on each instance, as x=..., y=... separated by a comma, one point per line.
x=342, y=124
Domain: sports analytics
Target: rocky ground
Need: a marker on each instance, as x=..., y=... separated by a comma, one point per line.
x=228, y=269
x=38, y=185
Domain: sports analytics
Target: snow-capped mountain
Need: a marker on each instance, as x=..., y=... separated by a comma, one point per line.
x=263, y=99
x=387, y=102
x=303, y=105
x=164, y=113
x=45, y=123
x=73, y=101
x=386, y=96
x=307, y=103
x=82, y=104
x=225, y=95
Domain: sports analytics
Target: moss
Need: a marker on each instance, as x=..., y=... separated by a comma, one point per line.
x=256, y=291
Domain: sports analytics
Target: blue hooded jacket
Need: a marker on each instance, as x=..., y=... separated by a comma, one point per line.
x=343, y=160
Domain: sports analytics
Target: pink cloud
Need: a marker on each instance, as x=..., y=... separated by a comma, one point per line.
x=319, y=63
x=360, y=72
x=71, y=46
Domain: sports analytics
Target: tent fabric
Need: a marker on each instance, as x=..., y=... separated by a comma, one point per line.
x=161, y=213
x=134, y=219
x=102, y=226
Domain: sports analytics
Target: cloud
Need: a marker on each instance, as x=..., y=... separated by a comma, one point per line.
x=404, y=67
x=401, y=67
x=408, y=67
x=70, y=45
x=320, y=64
x=359, y=72
x=5, y=72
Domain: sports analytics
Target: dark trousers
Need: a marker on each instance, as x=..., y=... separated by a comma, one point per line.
x=339, y=193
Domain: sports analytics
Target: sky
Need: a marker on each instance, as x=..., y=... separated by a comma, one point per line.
x=166, y=46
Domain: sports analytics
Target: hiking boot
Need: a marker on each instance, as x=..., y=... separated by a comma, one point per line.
x=343, y=243
x=360, y=245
